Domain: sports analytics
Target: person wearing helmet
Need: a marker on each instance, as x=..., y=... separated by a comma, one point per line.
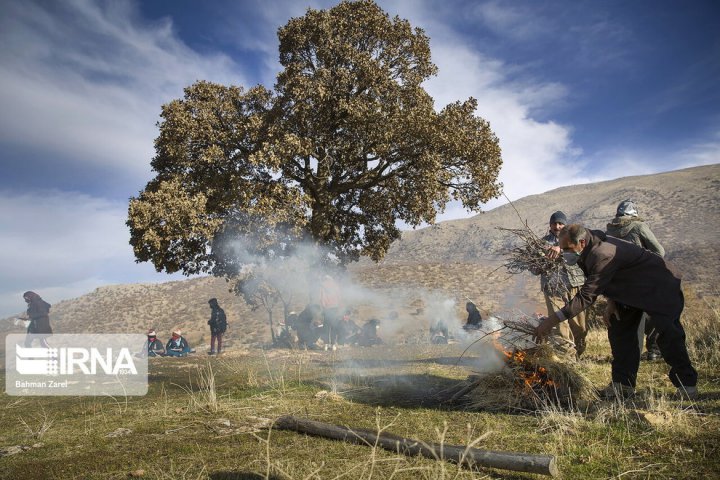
x=628, y=225
x=559, y=289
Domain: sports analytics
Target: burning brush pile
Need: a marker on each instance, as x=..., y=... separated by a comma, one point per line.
x=533, y=375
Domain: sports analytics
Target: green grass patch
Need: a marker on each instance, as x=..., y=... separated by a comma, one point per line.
x=208, y=419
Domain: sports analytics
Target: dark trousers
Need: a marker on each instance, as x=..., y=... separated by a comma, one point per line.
x=331, y=328
x=625, y=345
x=36, y=336
x=216, y=336
x=651, y=335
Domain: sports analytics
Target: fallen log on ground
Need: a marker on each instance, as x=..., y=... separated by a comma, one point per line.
x=462, y=455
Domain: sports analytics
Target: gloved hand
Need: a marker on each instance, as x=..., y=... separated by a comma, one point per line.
x=545, y=327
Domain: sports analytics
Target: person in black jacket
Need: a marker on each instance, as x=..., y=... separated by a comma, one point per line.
x=218, y=326
x=474, y=320
x=633, y=280
x=38, y=313
x=368, y=335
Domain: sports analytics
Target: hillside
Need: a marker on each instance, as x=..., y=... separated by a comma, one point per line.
x=451, y=261
x=682, y=208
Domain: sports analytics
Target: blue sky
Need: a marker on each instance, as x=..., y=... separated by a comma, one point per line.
x=577, y=91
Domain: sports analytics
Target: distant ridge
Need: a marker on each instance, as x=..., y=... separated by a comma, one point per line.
x=682, y=208
x=456, y=257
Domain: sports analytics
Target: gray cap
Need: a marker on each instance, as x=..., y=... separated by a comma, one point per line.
x=558, y=217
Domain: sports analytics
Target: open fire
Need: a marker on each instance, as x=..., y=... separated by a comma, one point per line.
x=533, y=376
x=530, y=376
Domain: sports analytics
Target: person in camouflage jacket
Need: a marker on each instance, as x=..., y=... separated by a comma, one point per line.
x=627, y=225
x=558, y=290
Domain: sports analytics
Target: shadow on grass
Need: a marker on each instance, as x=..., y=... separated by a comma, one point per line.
x=381, y=362
x=406, y=391
x=240, y=476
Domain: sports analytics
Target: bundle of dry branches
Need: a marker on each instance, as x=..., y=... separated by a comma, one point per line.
x=520, y=335
x=529, y=254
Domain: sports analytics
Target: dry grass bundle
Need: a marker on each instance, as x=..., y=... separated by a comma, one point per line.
x=534, y=378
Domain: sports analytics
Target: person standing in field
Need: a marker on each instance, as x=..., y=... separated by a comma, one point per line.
x=38, y=313
x=559, y=288
x=634, y=277
x=627, y=225
x=218, y=326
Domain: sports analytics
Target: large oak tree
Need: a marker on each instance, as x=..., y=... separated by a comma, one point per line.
x=346, y=144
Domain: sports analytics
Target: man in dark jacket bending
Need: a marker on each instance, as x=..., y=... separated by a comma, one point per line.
x=631, y=276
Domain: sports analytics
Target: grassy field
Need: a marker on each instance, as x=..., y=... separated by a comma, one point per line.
x=208, y=417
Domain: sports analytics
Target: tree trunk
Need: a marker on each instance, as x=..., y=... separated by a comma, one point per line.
x=465, y=456
x=272, y=328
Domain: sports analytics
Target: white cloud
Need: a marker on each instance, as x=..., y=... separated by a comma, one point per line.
x=509, y=21
x=624, y=162
x=703, y=153
x=86, y=80
x=12, y=303
x=62, y=245
x=537, y=155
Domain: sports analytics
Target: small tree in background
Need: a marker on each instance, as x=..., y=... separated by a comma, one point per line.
x=258, y=293
x=269, y=283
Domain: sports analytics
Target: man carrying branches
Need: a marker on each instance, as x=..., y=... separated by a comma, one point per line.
x=559, y=286
x=631, y=276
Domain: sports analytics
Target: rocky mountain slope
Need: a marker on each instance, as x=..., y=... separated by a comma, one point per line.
x=682, y=208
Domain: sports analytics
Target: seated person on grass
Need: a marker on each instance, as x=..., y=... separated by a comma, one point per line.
x=368, y=335
x=177, y=346
x=153, y=346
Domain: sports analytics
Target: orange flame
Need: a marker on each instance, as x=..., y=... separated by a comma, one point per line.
x=533, y=376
